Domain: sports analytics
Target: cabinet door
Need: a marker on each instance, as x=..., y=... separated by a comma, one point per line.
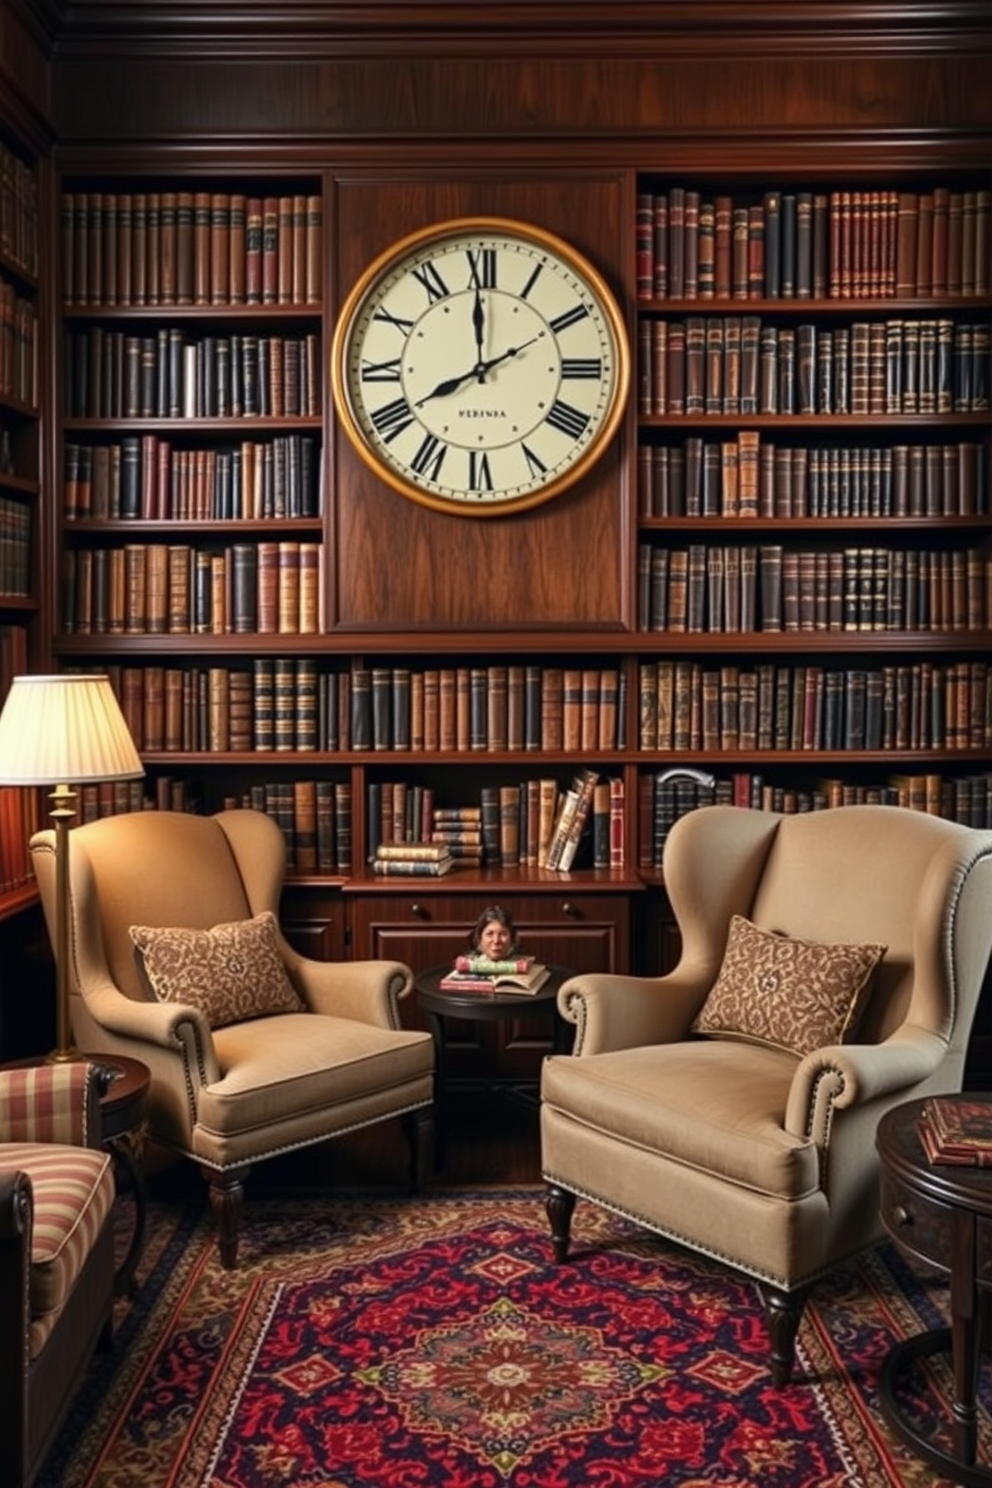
x=313, y=922
x=584, y=931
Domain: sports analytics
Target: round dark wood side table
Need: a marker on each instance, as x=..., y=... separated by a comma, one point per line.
x=122, y=1121
x=940, y=1214
x=481, y=1007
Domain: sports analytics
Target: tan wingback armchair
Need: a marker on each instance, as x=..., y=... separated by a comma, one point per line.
x=229, y=1096
x=747, y=1152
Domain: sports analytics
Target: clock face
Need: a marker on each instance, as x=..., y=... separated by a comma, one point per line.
x=480, y=366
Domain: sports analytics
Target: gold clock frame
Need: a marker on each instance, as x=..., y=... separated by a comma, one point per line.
x=539, y=237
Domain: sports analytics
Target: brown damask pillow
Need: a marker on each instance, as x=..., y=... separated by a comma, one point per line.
x=230, y=973
x=797, y=995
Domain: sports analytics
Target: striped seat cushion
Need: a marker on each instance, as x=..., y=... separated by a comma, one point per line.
x=73, y=1193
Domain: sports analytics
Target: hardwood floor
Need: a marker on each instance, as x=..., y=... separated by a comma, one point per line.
x=490, y=1138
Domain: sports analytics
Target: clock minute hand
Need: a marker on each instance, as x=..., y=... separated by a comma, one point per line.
x=479, y=323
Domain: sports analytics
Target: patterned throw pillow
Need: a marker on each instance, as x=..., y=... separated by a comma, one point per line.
x=230, y=973
x=797, y=995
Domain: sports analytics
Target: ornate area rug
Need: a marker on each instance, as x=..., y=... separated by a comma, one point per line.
x=393, y=1342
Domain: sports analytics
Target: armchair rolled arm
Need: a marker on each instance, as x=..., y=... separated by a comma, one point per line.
x=173, y=1026
x=844, y=1075
x=626, y=1012
x=52, y=1103
x=367, y=991
x=16, y=1204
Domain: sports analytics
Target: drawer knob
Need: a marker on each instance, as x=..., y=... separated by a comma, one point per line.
x=901, y=1217
x=570, y=909
x=418, y=911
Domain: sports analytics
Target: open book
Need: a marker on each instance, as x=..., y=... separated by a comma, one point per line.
x=525, y=983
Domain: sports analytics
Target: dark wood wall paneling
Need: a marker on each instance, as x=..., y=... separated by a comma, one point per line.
x=516, y=71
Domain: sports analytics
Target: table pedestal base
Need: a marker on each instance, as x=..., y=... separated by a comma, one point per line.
x=969, y=1473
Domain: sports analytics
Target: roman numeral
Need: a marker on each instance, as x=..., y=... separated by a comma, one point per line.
x=429, y=457
x=392, y=418
x=381, y=371
x=482, y=267
x=566, y=419
x=403, y=326
x=569, y=317
x=531, y=281
x=584, y=367
x=428, y=278
x=537, y=467
x=479, y=475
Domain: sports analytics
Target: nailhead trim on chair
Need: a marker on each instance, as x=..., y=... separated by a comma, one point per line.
x=731, y=1262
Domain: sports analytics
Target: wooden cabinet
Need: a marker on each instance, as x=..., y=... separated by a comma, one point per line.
x=569, y=924
x=573, y=924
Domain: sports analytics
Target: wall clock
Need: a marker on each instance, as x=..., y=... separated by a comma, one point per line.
x=480, y=366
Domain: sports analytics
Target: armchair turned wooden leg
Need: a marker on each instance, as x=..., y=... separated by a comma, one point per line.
x=559, y=1205
x=783, y=1312
x=227, y=1195
x=418, y=1127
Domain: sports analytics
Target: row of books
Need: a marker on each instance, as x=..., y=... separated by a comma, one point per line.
x=18, y=346
x=292, y=704
x=256, y=588
x=709, y=588
x=18, y=211
x=746, y=476
x=685, y=705
x=183, y=247
x=534, y=823
x=699, y=367
x=110, y=374
x=15, y=548
x=661, y=802
x=799, y=244
x=315, y=815
x=487, y=708
x=147, y=477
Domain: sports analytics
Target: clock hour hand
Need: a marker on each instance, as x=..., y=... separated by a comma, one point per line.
x=452, y=384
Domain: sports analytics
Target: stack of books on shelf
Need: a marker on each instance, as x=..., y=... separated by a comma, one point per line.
x=412, y=860
x=958, y=1130
x=458, y=830
x=517, y=974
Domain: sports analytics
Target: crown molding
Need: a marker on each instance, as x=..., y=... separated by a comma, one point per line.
x=240, y=27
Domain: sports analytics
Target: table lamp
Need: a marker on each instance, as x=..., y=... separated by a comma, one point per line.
x=63, y=732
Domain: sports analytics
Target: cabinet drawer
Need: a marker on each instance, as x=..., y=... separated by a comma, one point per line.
x=585, y=931
x=920, y=1225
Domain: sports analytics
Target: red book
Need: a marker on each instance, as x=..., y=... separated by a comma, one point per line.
x=270, y=250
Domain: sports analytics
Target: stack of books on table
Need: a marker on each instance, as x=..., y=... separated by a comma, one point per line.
x=519, y=974
x=957, y=1129
x=412, y=859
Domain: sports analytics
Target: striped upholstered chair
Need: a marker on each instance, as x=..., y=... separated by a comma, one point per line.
x=56, y=1253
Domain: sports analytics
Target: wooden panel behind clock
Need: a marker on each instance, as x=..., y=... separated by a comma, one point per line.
x=399, y=566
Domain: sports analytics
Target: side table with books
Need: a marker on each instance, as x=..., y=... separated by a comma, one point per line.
x=939, y=1211
x=445, y=993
